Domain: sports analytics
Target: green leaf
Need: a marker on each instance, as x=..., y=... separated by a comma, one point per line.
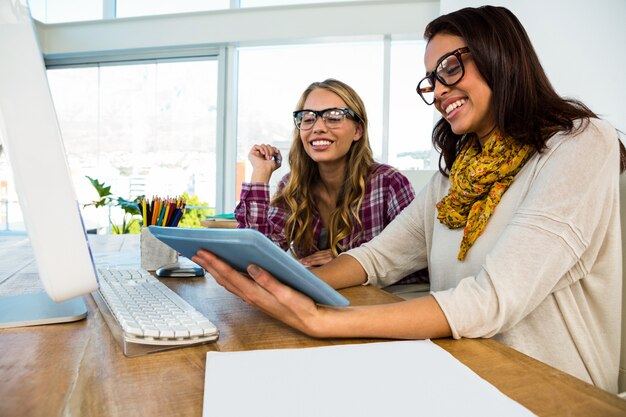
x=100, y=203
x=129, y=225
x=129, y=207
x=101, y=188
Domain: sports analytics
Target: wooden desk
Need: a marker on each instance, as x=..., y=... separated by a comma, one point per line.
x=78, y=369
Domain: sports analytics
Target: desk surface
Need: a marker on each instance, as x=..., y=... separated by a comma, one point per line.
x=78, y=368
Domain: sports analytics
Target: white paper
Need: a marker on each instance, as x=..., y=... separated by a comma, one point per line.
x=406, y=378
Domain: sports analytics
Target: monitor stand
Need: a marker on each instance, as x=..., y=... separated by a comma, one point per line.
x=37, y=308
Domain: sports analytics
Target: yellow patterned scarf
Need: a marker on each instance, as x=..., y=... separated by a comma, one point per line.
x=478, y=179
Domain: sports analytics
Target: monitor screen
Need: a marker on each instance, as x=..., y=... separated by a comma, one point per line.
x=32, y=141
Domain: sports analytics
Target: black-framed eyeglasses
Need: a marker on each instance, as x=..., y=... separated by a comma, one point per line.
x=333, y=117
x=449, y=71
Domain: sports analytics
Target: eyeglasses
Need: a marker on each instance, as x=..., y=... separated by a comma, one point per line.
x=333, y=117
x=449, y=71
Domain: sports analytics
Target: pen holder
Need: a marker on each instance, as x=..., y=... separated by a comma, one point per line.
x=154, y=253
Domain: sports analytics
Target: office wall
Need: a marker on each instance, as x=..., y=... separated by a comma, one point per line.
x=580, y=44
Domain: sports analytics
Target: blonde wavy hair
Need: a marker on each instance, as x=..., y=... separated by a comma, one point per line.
x=297, y=197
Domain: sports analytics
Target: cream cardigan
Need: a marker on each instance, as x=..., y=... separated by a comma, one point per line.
x=545, y=276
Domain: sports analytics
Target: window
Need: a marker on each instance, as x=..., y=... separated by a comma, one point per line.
x=109, y=113
x=271, y=80
x=410, y=119
x=65, y=10
x=9, y=209
x=145, y=129
x=56, y=11
x=127, y=8
x=261, y=3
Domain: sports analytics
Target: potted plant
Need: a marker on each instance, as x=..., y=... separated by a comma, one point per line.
x=106, y=198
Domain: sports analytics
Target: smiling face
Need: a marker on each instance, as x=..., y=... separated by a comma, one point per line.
x=466, y=105
x=324, y=144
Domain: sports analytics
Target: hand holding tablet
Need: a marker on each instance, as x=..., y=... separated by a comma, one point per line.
x=242, y=247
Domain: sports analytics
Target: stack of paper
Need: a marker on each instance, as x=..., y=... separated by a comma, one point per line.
x=407, y=378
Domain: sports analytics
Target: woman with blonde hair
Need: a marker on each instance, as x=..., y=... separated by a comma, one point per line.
x=336, y=196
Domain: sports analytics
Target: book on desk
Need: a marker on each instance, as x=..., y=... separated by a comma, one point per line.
x=220, y=221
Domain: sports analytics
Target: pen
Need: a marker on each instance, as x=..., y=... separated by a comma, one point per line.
x=172, y=212
x=144, y=214
x=166, y=212
x=155, y=212
x=180, y=214
x=161, y=213
x=176, y=217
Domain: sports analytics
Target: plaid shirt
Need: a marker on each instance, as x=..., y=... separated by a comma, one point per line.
x=387, y=192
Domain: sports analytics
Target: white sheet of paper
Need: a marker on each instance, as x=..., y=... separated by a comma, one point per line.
x=404, y=378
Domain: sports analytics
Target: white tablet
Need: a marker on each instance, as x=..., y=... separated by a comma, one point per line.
x=242, y=247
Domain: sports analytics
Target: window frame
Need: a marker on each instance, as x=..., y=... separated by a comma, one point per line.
x=220, y=34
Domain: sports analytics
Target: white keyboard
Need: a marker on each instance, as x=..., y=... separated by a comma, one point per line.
x=146, y=316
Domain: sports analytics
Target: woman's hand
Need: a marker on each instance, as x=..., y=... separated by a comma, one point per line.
x=266, y=293
x=263, y=162
x=319, y=258
x=420, y=318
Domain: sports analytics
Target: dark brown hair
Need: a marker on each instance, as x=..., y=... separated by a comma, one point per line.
x=525, y=104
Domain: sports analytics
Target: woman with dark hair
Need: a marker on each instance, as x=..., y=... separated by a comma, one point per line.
x=519, y=230
x=335, y=196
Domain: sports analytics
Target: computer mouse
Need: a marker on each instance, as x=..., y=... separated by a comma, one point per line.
x=177, y=271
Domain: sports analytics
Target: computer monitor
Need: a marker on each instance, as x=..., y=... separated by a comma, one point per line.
x=32, y=142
